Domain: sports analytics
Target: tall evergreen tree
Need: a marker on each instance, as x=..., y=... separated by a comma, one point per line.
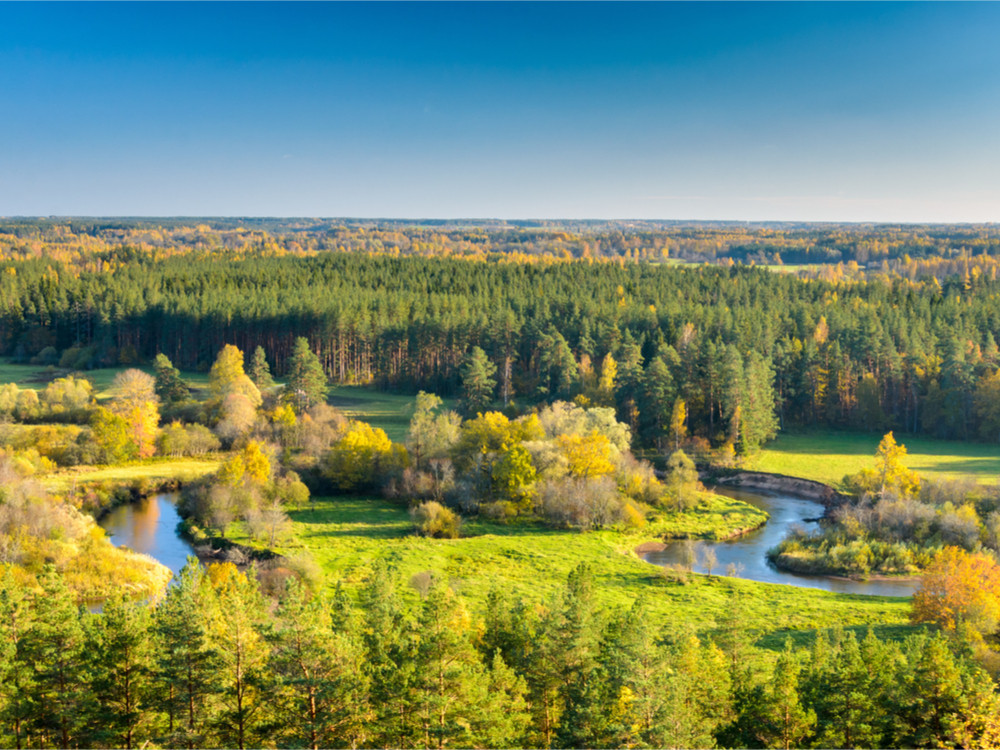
x=122, y=665
x=186, y=668
x=170, y=387
x=260, y=370
x=306, y=381
x=478, y=382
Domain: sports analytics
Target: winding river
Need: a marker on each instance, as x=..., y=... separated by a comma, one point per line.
x=150, y=526
x=749, y=551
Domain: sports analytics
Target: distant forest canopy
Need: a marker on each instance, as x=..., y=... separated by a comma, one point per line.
x=904, y=249
x=877, y=353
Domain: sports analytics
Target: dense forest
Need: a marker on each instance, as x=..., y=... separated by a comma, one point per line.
x=879, y=352
x=216, y=664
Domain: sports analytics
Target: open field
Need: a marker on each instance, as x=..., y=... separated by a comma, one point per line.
x=389, y=411
x=828, y=456
x=346, y=535
x=154, y=470
x=37, y=376
x=717, y=517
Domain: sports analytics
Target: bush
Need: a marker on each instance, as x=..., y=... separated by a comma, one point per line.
x=584, y=503
x=434, y=520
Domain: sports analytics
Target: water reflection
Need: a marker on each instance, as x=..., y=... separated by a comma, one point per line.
x=747, y=554
x=150, y=526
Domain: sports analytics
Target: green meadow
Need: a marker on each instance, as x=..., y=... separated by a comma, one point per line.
x=37, y=376
x=388, y=411
x=828, y=456
x=154, y=470
x=346, y=535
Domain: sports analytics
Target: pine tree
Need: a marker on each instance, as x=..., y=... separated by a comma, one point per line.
x=306, y=382
x=478, y=383
x=323, y=693
x=123, y=660
x=186, y=667
x=55, y=644
x=237, y=632
x=260, y=371
x=170, y=387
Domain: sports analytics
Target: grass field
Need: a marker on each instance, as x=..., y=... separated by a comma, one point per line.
x=37, y=376
x=828, y=456
x=389, y=411
x=154, y=470
x=346, y=535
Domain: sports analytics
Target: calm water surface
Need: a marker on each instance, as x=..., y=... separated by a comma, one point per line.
x=150, y=526
x=748, y=552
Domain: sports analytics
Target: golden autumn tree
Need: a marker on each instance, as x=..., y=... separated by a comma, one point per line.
x=361, y=456
x=590, y=455
x=961, y=592
x=136, y=402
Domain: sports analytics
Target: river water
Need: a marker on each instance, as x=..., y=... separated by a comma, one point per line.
x=150, y=526
x=748, y=553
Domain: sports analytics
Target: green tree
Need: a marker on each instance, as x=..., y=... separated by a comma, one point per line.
x=170, y=387
x=55, y=644
x=123, y=662
x=323, y=689
x=306, y=381
x=237, y=632
x=478, y=382
x=112, y=435
x=682, y=481
x=513, y=476
x=260, y=370
x=759, y=423
x=432, y=433
x=186, y=666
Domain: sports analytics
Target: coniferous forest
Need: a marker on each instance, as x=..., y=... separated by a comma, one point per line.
x=877, y=351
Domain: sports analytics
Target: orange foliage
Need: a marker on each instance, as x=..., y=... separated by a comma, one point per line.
x=959, y=590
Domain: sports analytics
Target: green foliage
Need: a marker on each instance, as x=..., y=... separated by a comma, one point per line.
x=170, y=387
x=260, y=370
x=306, y=381
x=478, y=382
x=682, y=481
x=112, y=434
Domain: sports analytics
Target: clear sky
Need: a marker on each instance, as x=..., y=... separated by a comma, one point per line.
x=803, y=111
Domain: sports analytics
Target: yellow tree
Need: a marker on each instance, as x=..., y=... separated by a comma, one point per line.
x=227, y=377
x=961, y=592
x=607, y=382
x=136, y=402
x=590, y=455
x=678, y=423
x=890, y=472
x=361, y=456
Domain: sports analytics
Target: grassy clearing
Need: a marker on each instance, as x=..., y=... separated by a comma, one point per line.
x=155, y=470
x=389, y=411
x=37, y=376
x=828, y=456
x=346, y=535
x=716, y=517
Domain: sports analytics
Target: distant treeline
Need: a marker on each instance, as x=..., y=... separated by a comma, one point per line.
x=914, y=356
x=87, y=242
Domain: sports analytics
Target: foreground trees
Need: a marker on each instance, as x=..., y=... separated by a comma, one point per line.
x=215, y=664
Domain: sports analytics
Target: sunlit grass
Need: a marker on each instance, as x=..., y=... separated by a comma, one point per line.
x=828, y=456
x=153, y=470
x=345, y=536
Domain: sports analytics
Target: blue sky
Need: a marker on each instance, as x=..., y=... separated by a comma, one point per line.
x=773, y=111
